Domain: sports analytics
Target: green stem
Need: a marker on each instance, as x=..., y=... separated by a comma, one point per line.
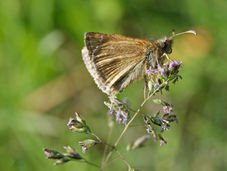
x=112, y=148
x=111, y=125
x=96, y=137
x=120, y=155
x=127, y=126
x=123, y=159
x=90, y=163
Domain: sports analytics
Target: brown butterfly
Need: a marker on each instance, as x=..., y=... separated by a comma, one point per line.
x=115, y=61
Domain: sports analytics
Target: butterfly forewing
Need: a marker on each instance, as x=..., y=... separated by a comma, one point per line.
x=113, y=60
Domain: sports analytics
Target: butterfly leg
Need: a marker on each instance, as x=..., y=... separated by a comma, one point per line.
x=167, y=57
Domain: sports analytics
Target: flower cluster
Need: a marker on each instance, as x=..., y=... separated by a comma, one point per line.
x=61, y=158
x=152, y=131
x=77, y=124
x=161, y=120
x=160, y=77
x=118, y=109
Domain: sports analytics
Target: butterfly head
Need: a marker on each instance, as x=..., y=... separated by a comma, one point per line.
x=165, y=44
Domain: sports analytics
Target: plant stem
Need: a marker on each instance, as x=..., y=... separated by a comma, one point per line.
x=123, y=159
x=108, y=140
x=96, y=137
x=127, y=126
x=92, y=164
x=115, y=158
x=120, y=155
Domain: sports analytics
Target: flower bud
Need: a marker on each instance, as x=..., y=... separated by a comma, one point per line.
x=52, y=154
x=86, y=144
x=77, y=124
x=118, y=109
x=70, y=152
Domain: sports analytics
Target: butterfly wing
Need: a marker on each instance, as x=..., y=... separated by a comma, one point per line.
x=113, y=60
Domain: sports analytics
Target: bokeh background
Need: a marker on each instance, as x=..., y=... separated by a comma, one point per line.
x=44, y=81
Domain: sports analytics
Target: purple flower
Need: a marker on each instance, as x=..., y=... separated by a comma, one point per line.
x=118, y=109
x=125, y=120
x=149, y=129
x=146, y=120
x=169, y=118
x=52, y=154
x=162, y=142
x=159, y=77
x=121, y=116
x=161, y=70
x=167, y=109
x=71, y=122
x=166, y=65
x=72, y=153
x=77, y=124
x=175, y=64
x=62, y=157
x=156, y=86
x=151, y=71
x=164, y=128
x=86, y=144
x=84, y=149
x=118, y=117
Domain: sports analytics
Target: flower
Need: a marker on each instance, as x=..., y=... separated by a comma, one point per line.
x=160, y=76
x=62, y=158
x=77, y=124
x=156, y=87
x=52, y=154
x=86, y=144
x=157, y=121
x=121, y=117
x=175, y=64
x=164, y=128
x=167, y=109
x=161, y=70
x=162, y=142
x=149, y=129
x=169, y=118
x=70, y=152
x=118, y=109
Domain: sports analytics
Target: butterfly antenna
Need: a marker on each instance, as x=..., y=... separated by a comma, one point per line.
x=185, y=32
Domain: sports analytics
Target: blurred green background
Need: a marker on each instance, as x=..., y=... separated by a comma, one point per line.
x=44, y=81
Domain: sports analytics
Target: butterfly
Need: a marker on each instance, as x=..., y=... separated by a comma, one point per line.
x=115, y=61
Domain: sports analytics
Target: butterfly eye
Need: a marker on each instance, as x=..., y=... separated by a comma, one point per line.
x=164, y=45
